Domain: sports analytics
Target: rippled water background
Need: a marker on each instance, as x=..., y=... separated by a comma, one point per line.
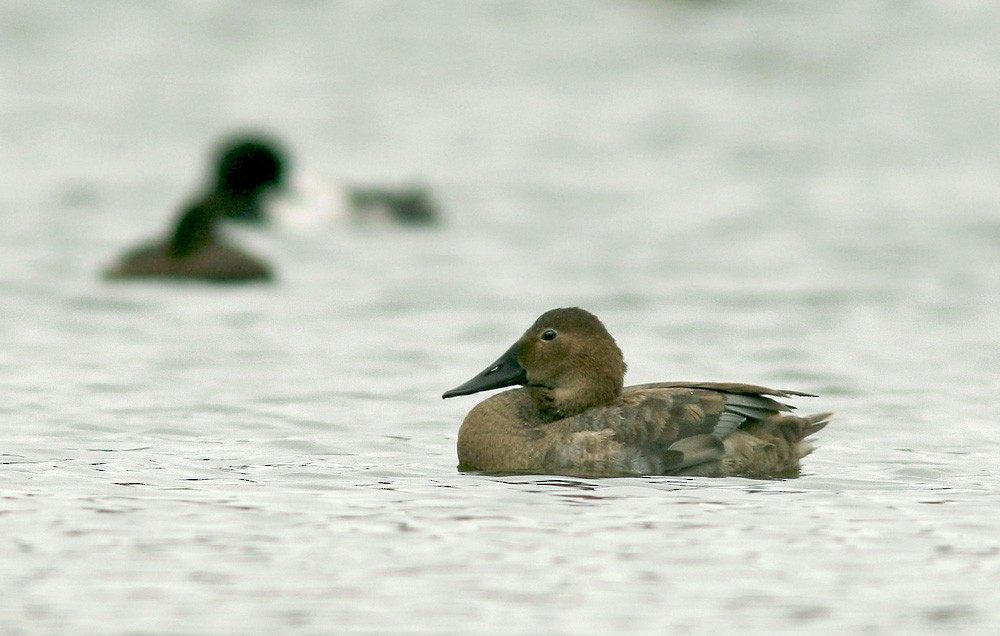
x=797, y=194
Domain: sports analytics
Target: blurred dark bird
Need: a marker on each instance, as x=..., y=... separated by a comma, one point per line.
x=574, y=417
x=246, y=169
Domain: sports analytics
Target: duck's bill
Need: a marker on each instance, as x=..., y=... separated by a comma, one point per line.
x=506, y=371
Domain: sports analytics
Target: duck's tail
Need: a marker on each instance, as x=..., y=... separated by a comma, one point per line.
x=795, y=430
x=772, y=447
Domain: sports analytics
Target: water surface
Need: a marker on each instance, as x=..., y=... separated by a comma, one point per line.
x=798, y=195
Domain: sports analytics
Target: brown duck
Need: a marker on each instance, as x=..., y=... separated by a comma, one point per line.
x=573, y=416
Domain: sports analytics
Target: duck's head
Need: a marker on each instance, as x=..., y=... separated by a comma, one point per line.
x=567, y=360
x=248, y=165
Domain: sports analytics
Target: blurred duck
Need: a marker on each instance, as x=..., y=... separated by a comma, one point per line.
x=251, y=185
x=308, y=201
x=247, y=170
x=574, y=417
x=311, y=202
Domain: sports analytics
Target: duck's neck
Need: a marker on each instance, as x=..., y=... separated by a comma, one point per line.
x=194, y=231
x=574, y=397
x=246, y=207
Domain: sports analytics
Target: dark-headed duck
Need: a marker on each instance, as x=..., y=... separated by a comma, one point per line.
x=246, y=170
x=307, y=201
x=310, y=202
x=574, y=417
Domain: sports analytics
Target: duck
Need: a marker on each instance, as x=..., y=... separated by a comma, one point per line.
x=312, y=202
x=247, y=170
x=572, y=415
x=309, y=201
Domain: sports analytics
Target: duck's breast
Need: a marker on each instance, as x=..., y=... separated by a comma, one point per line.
x=501, y=434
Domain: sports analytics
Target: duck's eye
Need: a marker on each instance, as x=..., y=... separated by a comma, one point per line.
x=549, y=334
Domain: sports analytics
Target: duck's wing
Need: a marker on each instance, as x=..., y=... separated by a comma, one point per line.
x=665, y=413
x=687, y=423
x=661, y=428
x=743, y=402
x=734, y=388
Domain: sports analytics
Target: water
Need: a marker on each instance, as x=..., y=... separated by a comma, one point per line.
x=795, y=194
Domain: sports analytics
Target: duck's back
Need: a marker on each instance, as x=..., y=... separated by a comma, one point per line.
x=214, y=262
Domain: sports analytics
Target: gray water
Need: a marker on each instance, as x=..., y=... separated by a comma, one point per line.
x=802, y=195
